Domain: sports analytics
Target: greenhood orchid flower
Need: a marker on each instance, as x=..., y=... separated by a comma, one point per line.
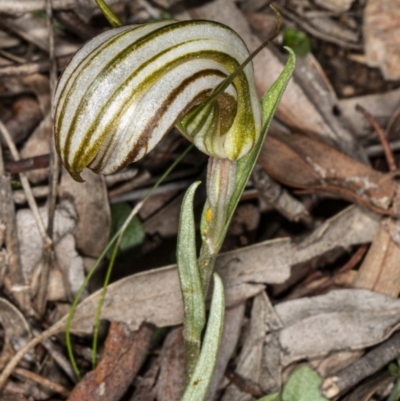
x=126, y=88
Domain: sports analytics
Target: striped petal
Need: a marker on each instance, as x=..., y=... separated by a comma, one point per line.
x=126, y=88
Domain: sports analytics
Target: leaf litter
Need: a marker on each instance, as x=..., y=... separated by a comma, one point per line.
x=298, y=320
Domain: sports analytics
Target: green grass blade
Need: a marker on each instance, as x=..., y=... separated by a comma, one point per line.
x=117, y=235
x=202, y=376
x=189, y=276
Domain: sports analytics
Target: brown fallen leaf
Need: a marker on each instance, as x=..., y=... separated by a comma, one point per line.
x=251, y=362
x=16, y=331
x=26, y=115
x=94, y=217
x=38, y=144
x=359, y=319
x=302, y=161
x=170, y=383
x=124, y=353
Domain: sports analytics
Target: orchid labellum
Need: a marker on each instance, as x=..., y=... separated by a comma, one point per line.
x=126, y=88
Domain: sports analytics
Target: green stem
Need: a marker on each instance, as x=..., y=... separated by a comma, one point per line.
x=111, y=17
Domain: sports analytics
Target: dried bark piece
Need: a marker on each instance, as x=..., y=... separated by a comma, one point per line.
x=124, y=353
x=382, y=36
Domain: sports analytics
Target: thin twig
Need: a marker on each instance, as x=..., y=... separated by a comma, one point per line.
x=26, y=186
x=28, y=164
x=391, y=161
x=369, y=364
x=42, y=381
x=33, y=67
x=318, y=34
x=12, y=364
x=48, y=252
x=7, y=217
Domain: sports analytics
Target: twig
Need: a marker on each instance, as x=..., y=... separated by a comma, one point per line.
x=10, y=26
x=72, y=21
x=29, y=164
x=7, y=217
x=382, y=137
x=243, y=384
x=48, y=252
x=12, y=364
x=25, y=184
x=369, y=364
x=42, y=381
x=315, y=32
x=33, y=67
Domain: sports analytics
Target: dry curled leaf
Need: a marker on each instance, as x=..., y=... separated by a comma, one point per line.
x=302, y=161
x=16, y=330
x=359, y=319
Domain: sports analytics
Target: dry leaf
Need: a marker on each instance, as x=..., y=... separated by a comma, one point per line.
x=302, y=161
x=380, y=269
x=16, y=331
x=338, y=6
x=170, y=383
x=340, y=320
x=251, y=364
x=38, y=144
x=91, y=203
x=381, y=33
x=156, y=293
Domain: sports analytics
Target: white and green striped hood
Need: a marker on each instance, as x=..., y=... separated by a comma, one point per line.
x=126, y=88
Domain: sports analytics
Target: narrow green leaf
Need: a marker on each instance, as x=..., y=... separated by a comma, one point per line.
x=189, y=276
x=202, y=376
x=303, y=385
x=245, y=166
